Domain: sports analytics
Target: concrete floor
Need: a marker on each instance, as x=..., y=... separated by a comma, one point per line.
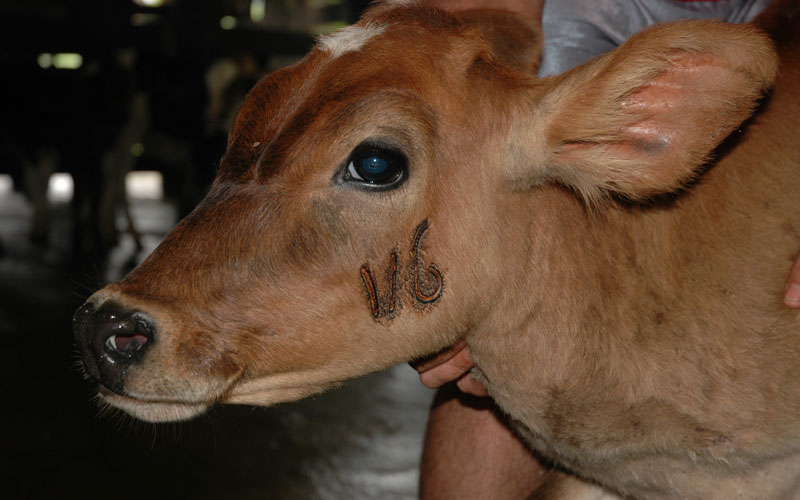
x=359, y=442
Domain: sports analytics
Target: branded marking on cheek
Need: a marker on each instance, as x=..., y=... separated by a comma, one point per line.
x=426, y=283
x=387, y=308
x=427, y=288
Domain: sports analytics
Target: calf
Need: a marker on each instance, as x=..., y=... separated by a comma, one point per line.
x=410, y=183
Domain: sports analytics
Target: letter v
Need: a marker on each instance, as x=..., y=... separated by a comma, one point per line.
x=381, y=308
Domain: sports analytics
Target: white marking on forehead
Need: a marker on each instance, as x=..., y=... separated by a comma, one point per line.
x=349, y=39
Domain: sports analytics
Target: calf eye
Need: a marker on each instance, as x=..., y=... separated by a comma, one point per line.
x=376, y=166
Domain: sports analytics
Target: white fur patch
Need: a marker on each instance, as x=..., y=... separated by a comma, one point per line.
x=349, y=39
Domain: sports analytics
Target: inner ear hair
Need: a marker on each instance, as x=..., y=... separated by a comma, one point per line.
x=641, y=120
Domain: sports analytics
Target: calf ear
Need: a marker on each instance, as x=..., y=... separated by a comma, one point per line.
x=515, y=41
x=640, y=120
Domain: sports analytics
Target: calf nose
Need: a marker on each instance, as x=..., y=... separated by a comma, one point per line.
x=111, y=338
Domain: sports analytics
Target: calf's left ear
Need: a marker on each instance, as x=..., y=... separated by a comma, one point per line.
x=640, y=120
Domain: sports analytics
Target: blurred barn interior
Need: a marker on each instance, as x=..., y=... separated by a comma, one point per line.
x=115, y=116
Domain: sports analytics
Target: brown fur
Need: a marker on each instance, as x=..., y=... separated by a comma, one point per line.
x=640, y=343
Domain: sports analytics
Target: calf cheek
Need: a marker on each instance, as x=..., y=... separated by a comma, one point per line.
x=289, y=298
x=297, y=302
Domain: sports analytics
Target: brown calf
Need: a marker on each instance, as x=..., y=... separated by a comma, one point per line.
x=409, y=183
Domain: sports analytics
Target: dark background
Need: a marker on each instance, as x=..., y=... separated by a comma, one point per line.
x=140, y=100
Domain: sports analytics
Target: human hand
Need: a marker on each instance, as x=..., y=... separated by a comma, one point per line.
x=454, y=363
x=791, y=295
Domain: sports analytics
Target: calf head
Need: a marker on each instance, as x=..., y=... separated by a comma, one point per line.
x=370, y=204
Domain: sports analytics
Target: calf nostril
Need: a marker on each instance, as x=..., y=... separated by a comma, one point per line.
x=126, y=333
x=112, y=338
x=126, y=344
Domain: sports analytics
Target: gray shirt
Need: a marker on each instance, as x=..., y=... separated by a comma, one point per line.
x=576, y=31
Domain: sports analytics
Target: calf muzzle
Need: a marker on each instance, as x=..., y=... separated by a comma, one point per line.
x=111, y=339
